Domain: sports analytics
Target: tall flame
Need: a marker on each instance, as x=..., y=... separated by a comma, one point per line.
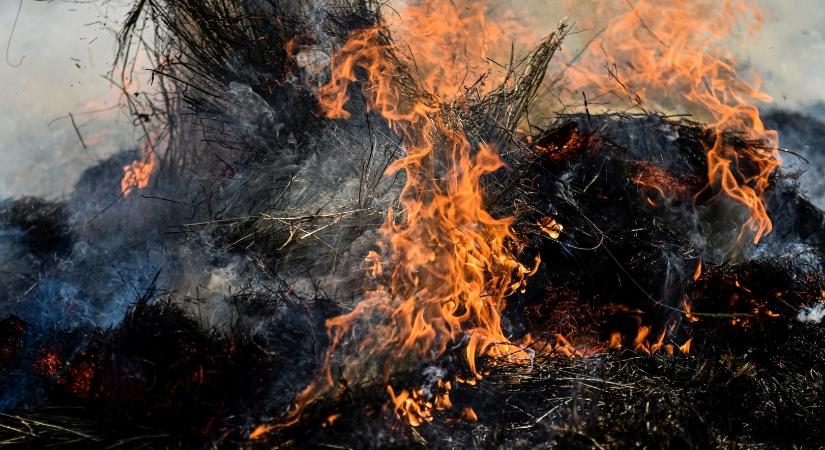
x=449, y=263
x=671, y=53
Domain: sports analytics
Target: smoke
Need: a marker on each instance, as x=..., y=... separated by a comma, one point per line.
x=304, y=201
x=812, y=314
x=788, y=53
x=68, y=47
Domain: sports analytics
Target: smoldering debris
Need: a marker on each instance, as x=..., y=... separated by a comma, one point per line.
x=192, y=313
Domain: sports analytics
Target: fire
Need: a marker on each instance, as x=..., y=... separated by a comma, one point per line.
x=449, y=264
x=417, y=407
x=260, y=431
x=645, y=343
x=685, y=348
x=698, y=272
x=137, y=174
x=670, y=53
x=373, y=260
x=455, y=45
x=688, y=307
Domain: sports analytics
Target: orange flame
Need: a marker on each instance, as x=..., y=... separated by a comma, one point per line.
x=451, y=263
x=698, y=272
x=670, y=53
x=417, y=407
x=685, y=348
x=643, y=343
x=137, y=174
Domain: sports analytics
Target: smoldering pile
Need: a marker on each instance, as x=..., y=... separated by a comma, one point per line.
x=188, y=313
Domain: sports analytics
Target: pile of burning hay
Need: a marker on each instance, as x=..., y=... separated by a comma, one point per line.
x=349, y=227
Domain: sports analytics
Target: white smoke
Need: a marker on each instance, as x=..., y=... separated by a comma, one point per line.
x=65, y=49
x=812, y=314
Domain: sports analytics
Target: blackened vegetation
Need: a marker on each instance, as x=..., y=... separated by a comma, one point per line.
x=42, y=223
x=804, y=137
x=630, y=191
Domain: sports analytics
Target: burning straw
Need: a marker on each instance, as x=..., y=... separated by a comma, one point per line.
x=371, y=239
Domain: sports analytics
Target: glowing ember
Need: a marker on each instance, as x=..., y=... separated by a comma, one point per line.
x=688, y=316
x=670, y=54
x=656, y=179
x=49, y=363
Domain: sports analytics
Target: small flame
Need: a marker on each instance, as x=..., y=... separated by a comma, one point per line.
x=373, y=260
x=688, y=307
x=331, y=419
x=550, y=227
x=137, y=174
x=698, y=272
x=663, y=182
x=685, y=348
x=260, y=431
x=643, y=342
x=416, y=407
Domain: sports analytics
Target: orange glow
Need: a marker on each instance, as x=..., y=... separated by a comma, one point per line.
x=448, y=263
x=454, y=44
x=373, y=260
x=550, y=227
x=260, y=431
x=49, y=363
x=669, y=54
x=660, y=180
x=565, y=347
